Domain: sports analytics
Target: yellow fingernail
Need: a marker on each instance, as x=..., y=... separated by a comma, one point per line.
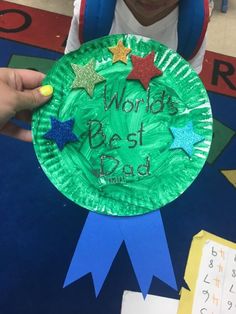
x=46, y=90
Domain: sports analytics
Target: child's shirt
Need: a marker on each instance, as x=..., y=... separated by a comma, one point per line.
x=164, y=31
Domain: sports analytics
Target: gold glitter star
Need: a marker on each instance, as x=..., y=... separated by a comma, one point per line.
x=120, y=52
x=86, y=77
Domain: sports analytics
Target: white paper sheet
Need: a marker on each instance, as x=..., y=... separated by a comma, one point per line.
x=216, y=285
x=134, y=303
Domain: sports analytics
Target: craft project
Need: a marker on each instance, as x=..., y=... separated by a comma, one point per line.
x=210, y=275
x=128, y=129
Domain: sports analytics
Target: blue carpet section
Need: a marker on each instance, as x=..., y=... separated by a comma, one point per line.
x=39, y=228
x=10, y=48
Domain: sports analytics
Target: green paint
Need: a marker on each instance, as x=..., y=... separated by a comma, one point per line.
x=122, y=164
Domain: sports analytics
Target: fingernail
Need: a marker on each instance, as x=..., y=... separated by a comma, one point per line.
x=46, y=90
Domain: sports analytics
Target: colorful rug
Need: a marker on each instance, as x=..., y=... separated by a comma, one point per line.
x=39, y=228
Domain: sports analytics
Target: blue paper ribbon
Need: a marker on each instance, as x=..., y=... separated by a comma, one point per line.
x=101, y=239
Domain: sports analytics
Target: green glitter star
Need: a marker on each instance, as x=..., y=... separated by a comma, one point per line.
x=86, y=77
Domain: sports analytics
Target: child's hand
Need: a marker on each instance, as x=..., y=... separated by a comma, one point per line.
x=20, y=92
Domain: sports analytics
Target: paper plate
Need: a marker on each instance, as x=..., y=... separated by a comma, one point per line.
x=128, y=129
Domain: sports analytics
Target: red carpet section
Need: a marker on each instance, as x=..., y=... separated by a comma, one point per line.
x=219, y=74
x=33, y=26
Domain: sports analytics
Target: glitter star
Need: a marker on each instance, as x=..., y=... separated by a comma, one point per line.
x=144, y=69
x=61, y=132
x=185, y=138
x=86, y=77
x=120, y=52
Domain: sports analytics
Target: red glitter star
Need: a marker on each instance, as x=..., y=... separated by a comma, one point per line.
x=144, y=69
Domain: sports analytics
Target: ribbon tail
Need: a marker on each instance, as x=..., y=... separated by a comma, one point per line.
x=147, y=246
x=97, y=247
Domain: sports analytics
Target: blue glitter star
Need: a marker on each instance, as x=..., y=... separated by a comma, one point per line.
x=61, y=132
x=185, y=138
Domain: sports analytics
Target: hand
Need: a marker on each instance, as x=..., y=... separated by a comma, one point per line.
x=20, y=93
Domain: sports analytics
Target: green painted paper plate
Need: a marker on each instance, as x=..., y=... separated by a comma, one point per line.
x=129, y=126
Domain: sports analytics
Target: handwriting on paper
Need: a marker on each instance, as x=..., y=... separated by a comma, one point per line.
x=215, y=291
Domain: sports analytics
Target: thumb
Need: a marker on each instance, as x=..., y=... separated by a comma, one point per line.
x=31, y=99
